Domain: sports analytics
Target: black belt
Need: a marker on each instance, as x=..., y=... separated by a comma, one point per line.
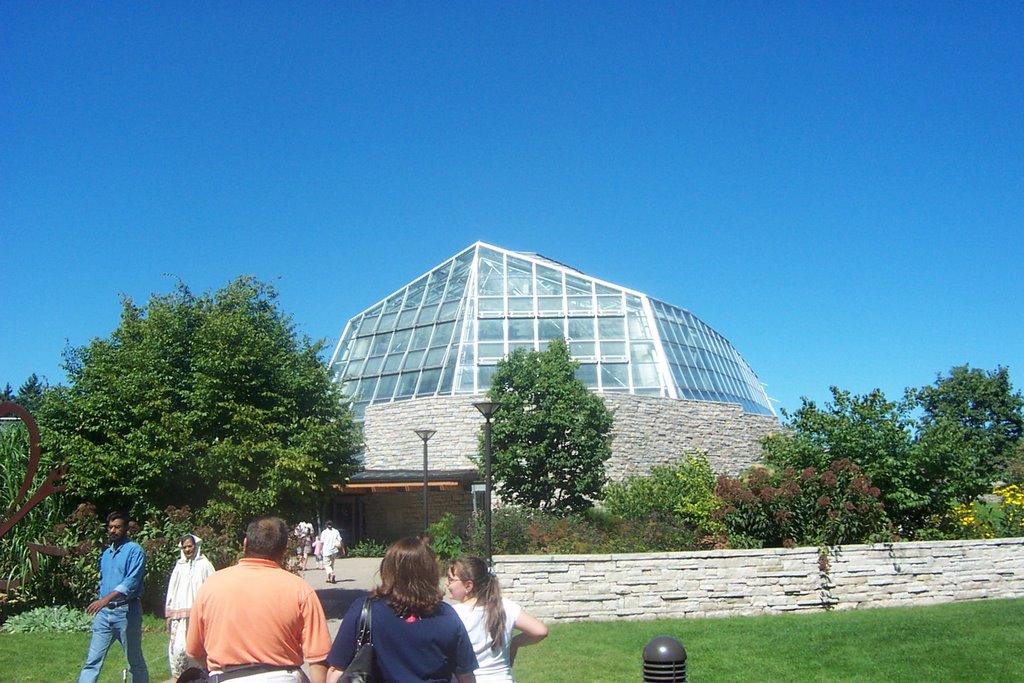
x=120, y=603
x=250, y=670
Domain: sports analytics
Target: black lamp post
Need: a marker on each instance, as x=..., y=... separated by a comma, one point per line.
x=487, y=409
x=425, y=434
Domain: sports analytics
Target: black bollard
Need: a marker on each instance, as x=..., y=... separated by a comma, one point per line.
x=664, y=661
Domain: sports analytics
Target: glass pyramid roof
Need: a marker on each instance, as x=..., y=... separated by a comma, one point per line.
x=443, y=334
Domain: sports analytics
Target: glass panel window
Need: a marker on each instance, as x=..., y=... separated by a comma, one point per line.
x=387, y=322
x=638, y=328
x=580, y=305
x=520, y=330
x=443, y=333
x=449, y=310
x=407, y=318
x=528, y=346
x=435, y=356
x=577, y=285
x=582, y=349
x=465, y=383
x=611, y=328
x=549, y=281
x=393, y=362
x=613, y=349
x=400, y=341
x=386, y=388
x=414, y=295
x=609, y=305
x=581, y=328
x=428, y=382
x=413, y=358
x=491, y=306
x=645, y=375
x=366, y=388
x=641, y=352
x=550, y=305
x=519, y=277
x=520, y=305
x=490, y=273
x=426, y=315
x=380, y=344
x=491, y=351
x=359, y=348
x=420, y=338
x=407, y=384
x=373, y=364
x=491, y=330
x=435, y=288
x=587, y=373
x=550, y=328
x=614, y=376
x=446, y=379
x=394, y=303
x=485, y=373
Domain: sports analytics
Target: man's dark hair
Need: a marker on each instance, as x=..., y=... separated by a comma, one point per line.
x=266, y=537
x=117, y=514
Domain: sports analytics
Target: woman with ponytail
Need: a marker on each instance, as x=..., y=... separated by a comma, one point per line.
x=490, y=619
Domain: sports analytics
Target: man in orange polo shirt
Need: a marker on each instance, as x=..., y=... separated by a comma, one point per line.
x=256, y=621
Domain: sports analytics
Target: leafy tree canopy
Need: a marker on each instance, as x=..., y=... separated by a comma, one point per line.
x=551, y=435
x=209, y=401
x=941, y=445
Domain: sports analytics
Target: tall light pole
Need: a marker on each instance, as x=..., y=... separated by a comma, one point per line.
x=487, y=409
x=425, y=434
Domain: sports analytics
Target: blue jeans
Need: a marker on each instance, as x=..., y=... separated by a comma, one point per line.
x=123, y=624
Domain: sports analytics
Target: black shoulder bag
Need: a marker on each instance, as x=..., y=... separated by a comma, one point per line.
x=363, y=667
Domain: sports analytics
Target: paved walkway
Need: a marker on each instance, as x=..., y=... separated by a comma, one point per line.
x=355, y=575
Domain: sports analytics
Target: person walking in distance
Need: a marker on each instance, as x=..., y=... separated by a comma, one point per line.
x=257, y=621
x=117, y=613
x=191, y=570
x=333, y=546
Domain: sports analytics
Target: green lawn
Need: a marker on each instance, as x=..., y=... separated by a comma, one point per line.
x=973, y=641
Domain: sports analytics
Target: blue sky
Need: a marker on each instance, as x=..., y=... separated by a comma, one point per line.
x=837, y=188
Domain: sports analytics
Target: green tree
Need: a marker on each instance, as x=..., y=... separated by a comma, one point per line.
x=209, y=401
x=550, y=435
x=971, y=426
x=30, y=394
x=869, y=430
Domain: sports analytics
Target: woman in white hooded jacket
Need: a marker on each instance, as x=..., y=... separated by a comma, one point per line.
x=191, y=570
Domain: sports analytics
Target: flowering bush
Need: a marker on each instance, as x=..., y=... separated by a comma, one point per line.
x=832, y=506
x=999, y=518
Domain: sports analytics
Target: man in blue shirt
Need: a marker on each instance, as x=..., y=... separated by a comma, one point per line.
x=117, y=614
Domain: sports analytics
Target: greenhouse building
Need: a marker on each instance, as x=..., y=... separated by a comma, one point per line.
x=420, y=358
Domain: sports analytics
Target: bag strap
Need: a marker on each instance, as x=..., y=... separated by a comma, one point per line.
x=365, y=623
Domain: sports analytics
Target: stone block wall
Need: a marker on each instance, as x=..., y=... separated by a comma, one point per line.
x=647, y=431
x=745, y=582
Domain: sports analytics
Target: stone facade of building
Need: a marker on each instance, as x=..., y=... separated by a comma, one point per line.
x=647, y=431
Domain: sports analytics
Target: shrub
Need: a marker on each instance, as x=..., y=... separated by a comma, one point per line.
x=446, y=543
x=1002, y=517
x=368, y=548
x=522, y=532
x=686, y=489
x=832, y=506
x=58, y=619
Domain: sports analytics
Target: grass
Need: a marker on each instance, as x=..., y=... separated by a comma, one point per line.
x=967, y=641
x=975, y=641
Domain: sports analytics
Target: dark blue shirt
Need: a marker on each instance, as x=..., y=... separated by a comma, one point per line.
x=122, y=569
x=427, y=650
